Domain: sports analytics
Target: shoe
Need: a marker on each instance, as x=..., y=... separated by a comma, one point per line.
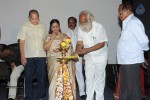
x=83, y=97
x=11, y=99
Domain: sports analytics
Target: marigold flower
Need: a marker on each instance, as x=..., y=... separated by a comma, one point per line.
x=68, y=40
x=63, y=44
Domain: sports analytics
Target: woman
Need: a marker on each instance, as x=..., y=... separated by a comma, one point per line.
x=51, y=45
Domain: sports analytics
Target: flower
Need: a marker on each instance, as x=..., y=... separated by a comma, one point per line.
x=68, y=40
x=63, y=44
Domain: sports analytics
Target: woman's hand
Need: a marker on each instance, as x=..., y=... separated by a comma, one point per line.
x=56, y=50
x=53, y=35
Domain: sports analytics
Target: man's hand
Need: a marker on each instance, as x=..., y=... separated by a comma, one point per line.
x=75, y=54
x=22, y=52
x=145, y=64
x=23, y=60
x=83, y=51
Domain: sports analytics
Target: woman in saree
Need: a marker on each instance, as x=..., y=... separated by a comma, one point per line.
x=52, y=42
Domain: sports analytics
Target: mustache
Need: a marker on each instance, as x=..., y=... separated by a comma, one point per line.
x=87, y=27
x=71, y=25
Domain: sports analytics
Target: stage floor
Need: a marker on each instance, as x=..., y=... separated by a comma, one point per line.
x=108, y=94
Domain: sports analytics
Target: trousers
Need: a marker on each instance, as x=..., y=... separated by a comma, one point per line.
x=95, y=79
x=79, y=77
x=16, y=72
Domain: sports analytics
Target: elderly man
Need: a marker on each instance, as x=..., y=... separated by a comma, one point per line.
x=130, y=53
x=92, y=43
x=72, y=33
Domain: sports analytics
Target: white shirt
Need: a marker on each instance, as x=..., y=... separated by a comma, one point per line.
x=132, y=42
x=95, y=36
x=73, y=35
x=34, y=37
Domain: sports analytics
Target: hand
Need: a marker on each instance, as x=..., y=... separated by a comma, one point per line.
x=23, y=60
x=83, y=51
x=145, y=64
x=53, y=36
x=75, y=54
x=56, y=50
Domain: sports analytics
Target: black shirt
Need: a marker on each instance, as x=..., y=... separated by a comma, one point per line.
x=14, y=56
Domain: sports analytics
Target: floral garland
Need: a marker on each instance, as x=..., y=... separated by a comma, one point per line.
x=59, y=85
x=63, y=82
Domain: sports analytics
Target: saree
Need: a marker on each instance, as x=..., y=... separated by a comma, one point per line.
x=56, y=71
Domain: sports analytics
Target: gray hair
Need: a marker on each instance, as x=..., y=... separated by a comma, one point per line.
x=89, y=14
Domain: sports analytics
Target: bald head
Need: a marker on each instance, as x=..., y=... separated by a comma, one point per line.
x=83, y=19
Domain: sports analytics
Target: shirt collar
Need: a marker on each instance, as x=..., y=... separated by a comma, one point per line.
x=127, y=20
x=30, y=24
x=73, y=31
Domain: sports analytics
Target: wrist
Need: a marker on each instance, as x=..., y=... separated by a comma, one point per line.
x=76, y=52
x=88, y=50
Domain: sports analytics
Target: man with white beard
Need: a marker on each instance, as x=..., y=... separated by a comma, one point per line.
x=92, y=42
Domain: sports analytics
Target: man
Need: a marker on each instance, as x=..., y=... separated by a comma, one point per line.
x=11, y=55
x=72, y=33
x=33, y=56
x=130, y=53
x=92, y=43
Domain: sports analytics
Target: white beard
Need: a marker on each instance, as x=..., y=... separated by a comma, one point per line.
x=87, y=27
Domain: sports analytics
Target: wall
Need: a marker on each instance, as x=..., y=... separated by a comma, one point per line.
x=15, y=12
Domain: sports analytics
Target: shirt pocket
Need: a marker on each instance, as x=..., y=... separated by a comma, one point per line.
x=125, y=35
x=30, y=33
x=87, y=41
x=96, y=39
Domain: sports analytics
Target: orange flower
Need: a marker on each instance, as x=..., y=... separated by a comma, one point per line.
x=68, y=40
